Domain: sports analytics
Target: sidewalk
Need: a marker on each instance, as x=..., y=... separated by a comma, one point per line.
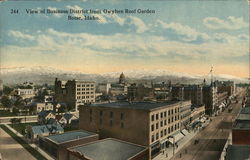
x=181, y=144
x=32, y=145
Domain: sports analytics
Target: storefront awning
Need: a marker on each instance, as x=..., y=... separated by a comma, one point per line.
x=176, y=137
x=185, y=132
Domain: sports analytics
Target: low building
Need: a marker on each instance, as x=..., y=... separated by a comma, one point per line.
x=241, y=128
x=34, y=132
x=56, y=145
x=25, y=93
x=44, y=107
x=48, y=99
x=108, y=149
x=154, y=122
x=194, y=93
x=44, y=116
x=237, y=152
x=177, y=92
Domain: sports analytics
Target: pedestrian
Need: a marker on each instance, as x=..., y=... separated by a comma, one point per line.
x=166, y=155
x=180, y=155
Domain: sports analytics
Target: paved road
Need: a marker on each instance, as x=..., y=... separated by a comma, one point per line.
x=212, y=139
x=11, y=150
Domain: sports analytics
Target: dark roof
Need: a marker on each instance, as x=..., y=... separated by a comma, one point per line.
x=136, y=105
x=49, y=128
x=44, y=113
x=68, y=116
x=69, y=136
x=239, y=152
x=108, y=149
x=245, y=110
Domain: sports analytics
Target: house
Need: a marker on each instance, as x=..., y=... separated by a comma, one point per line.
x=69, y=117
x=33, y=132
x=44, y=107
x=60, y=119
x=44, y=116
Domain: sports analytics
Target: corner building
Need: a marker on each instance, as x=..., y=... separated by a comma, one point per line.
x=145, y=123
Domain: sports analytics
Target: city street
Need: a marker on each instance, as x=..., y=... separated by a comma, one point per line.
x=11, y=150
x=212, y=139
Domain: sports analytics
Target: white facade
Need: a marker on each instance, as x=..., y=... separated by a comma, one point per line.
x=85, y=92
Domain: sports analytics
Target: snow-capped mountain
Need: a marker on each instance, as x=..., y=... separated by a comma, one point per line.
x=42, y=74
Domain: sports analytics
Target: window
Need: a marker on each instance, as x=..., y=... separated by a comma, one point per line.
x=111, y=114
x=152, y=117
x=161, y=114
x=157, y=136
x=90, y=111
x=122, y=125
x=165, y=132
x=165, y=122
x=165, y=114
x=157, y=116
x=111, y=123
x=152, y=127
x=169, y=112
x=168, y=129
x=122, y=116
x=152, y=138
x=161, y=133
x=156, y=126
x=161, y=123
x=100, y=121
x=101, y=113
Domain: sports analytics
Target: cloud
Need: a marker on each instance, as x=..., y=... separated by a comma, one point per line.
x=231, y=23
x=18, y=34
x=138, y=23
x=187, y=33
x=133, y=45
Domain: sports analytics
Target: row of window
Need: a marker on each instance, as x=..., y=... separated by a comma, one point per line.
x=110, y=122
x=85, y=85
x=111, y=114
x=83, y=89
x=83, y=97
x=85, y=92
x=163, y=123
x=164, y=132
x=164, y=114
x=85, y=101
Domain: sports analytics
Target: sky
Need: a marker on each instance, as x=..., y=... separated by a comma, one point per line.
x=181, y=36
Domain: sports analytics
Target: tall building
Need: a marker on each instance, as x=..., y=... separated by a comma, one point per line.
x=149, y=124
x=226, y=86
x=194, y=93
x=74, y=92
x=177, y=92
x=140, y=92
x=1, y=87
x=120, y=88
x=210, y=99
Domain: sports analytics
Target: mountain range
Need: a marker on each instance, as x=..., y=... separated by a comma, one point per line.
x=41, y=75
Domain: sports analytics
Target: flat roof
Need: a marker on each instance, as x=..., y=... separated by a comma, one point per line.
x=69, y=136
x=239, y=152
x=108, y=149
x=136, y=105
x=242, y=124
x=245, y=110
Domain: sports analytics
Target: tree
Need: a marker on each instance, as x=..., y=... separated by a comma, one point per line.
x=6, y=102
x=7, y=90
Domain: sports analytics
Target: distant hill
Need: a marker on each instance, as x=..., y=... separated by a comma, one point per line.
x=40, y=75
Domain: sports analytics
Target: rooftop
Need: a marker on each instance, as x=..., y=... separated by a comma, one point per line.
x=110, y=149
x=69, y=136
x=245, y=110
x=242, y=124
x=239, y=152
x=136, y=105
x=49, y=128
